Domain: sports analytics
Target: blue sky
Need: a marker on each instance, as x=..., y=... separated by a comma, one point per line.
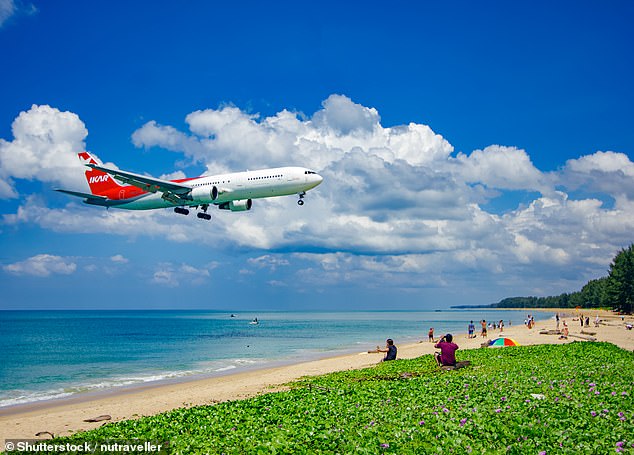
x=471, y=150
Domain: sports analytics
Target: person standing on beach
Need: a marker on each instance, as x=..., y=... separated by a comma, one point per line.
x=447, y=355
x=471, y=330
x=390, y=350
x=430, y=335
x=557, y=319
x=483, y=323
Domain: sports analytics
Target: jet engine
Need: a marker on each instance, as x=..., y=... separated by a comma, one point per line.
x=204, y=194
x=241, y=205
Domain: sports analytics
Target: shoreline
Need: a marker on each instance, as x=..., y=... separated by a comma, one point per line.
x=95, y=387
x=67, y=415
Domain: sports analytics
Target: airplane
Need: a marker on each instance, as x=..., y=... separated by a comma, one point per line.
x=233, y=191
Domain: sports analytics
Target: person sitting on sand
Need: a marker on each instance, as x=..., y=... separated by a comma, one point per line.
x=564, y=335
x=447, y=354
x=390, y=349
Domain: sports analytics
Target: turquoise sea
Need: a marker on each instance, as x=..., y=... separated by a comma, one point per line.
x=55, y=354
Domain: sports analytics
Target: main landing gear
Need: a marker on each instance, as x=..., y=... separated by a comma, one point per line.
x=202, y=215
x=301, y=198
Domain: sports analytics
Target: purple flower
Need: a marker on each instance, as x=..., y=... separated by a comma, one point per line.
x=462, y=422
x=543, y=452
x=445, y=410
x=593, y=414
x=619, y=444
x=422, y=422
x=498, y=410
x=503, y=398
x=385, y=446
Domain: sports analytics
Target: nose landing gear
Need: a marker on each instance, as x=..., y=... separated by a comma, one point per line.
x=301, y=198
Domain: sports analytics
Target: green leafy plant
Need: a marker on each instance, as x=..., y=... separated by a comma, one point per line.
x=574, y=398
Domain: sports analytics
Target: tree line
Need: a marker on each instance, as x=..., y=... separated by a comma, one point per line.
x=615, y=291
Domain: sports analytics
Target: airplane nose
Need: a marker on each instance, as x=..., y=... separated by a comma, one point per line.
x=318, y=179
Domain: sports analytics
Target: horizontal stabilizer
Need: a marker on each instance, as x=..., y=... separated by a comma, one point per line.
x=80, y=194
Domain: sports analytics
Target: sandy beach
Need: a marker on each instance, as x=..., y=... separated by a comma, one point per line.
x=65, y=417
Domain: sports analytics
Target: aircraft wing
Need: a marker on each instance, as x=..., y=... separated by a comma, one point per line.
x=146, y=183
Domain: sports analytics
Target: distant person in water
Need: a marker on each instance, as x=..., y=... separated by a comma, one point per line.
x=447, y=355
x=390, y=350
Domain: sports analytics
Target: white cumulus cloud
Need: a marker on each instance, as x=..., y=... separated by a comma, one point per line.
x=45, y=146
x=42, y=265
x=396, y=206
x=119, y=259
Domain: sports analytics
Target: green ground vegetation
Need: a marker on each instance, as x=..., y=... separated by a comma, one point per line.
x=545, y=399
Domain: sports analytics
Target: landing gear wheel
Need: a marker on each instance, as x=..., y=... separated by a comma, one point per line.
x=203, y=216
x=301, y=198
x=181, y=211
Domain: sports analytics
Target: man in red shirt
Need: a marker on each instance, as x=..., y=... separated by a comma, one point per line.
x=447, y=354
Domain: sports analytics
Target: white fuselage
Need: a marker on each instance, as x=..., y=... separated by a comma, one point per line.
x=236, y=186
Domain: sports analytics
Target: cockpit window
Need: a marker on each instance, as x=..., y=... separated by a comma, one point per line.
x=309, y=172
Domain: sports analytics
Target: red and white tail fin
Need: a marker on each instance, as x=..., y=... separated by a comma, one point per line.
x=100, y=183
